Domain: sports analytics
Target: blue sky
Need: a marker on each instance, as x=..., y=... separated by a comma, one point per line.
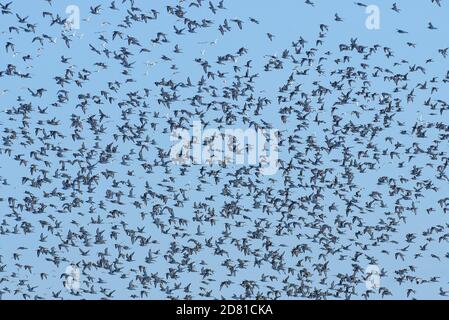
x=288, y=21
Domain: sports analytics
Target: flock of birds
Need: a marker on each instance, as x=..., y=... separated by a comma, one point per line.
x=87, y=179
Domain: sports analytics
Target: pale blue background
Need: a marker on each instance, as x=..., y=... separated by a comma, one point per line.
x=287, y=20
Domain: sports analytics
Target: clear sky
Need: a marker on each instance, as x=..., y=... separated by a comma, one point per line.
x=288, y=21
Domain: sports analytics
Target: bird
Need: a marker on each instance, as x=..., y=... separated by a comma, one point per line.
x=171, y=151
